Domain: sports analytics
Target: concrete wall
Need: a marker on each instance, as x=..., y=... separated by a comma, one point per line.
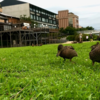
x=17, y=10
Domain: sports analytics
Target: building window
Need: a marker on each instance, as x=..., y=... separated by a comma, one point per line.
x=32, y=16
x=54, y=16
x=39, y=11
x=43, y=19
x=49, y=26
x=54, y=22
x=70, y=20
x=39, y=18
x=43, y=12
x=50, y=21
x=46, y=20
x=36, y=10
x=30, y=9
x=46, y=13
x=33, y=9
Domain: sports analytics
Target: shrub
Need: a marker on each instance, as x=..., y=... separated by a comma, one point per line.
x=70, y=37
x=76, y=37
x=95, y=37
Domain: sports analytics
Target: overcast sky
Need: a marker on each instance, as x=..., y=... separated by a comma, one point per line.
x=87, y=10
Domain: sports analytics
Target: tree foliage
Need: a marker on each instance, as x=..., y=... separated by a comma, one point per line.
x=72, y=31
x=68, y=30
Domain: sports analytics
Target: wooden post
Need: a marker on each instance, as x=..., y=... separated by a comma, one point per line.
x=49, y=37
x=7, y=41
x=20, y=42
x=36, y=39
x=10, y=40
x=25, y=38
x=45, y=38
x=29, y=38
x=1, y=40
x=41, y=38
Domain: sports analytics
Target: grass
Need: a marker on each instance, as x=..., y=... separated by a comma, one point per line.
x=35, y=73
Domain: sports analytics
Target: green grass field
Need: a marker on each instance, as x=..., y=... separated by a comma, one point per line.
x=35, y=73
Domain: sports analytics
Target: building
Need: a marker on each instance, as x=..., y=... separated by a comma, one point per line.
x=43, y=17
x=4, y=18
x=65, y=19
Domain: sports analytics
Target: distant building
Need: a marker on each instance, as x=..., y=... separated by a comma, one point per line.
x=66, y=19
x=80, y=27
x=43, y=17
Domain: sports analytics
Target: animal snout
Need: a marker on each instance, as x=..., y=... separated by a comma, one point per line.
x=57, y=54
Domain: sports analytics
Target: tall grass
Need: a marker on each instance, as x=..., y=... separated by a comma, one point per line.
x=35, y=73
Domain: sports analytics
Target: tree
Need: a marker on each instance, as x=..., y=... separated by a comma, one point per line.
x=68, y=30
x=89, y=28
x=61, y=30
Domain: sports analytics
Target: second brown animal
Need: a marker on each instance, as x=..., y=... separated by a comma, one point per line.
x=66, y=52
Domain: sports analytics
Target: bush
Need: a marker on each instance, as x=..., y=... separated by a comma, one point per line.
x=70, y=37
x=95, y=37
x=76, y=37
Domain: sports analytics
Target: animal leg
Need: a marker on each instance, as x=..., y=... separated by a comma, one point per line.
x=72, y=61
x=92, y=63
x=64, y=59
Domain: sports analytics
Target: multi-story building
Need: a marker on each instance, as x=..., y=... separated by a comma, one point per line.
x=43, y=17
x=65, y=19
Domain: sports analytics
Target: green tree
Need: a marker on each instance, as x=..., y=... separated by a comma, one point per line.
x=89, y=28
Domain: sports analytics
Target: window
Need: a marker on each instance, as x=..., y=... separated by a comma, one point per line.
x=54, y=22
x=50, y=21
x=70, y=20
x=39, y=11
x=39, y=18
x=36, y=10
x=32, y=16
x=43, y=19
x=30, y=9
x=46, y=14
x=33, y=9
x=43, y=12
x=54, y=16
x=46, y=20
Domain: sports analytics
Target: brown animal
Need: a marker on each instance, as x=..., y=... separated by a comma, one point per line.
x=95, y=53
x=74, y=42
x=94, y=46
x=33, y=45
x=66, y=52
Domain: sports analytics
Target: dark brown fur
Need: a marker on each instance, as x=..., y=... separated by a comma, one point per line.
x=95, y=54
x=94, y=46
x=66, y=52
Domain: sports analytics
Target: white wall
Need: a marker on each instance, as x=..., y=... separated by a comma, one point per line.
x=17, y=10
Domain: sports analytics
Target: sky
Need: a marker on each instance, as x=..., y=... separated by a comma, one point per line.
x=87, y=10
